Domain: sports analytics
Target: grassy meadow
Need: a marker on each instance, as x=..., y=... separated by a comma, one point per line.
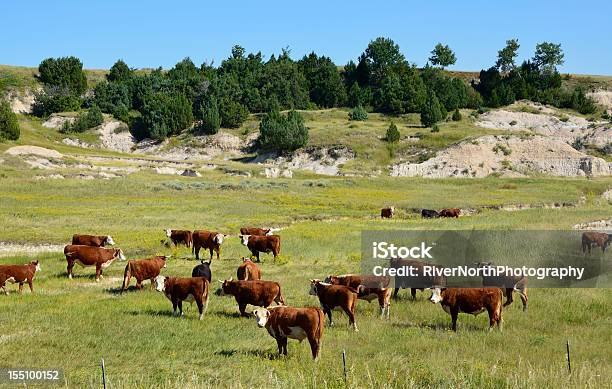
x=73, y=324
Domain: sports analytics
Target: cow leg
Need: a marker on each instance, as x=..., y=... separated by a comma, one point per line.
x=174, y=306
x=384, y=304
x=180, y=307
x=284, y=345
x=328, y=312
x=242, y=308
x=69, y=268
x=126, y=281
x=200, y=307
x=351, y=314
x=454, y=315
x=314, y=347
x=196, y=249
x=211, y=254
x=413, y=293
x=20, y=287
x=509, y=299
x=138, y=283
x=218, y=253
x=524, y=298
x=395, y=292
x=206, y=303
x=30, y=284
x=279, y=345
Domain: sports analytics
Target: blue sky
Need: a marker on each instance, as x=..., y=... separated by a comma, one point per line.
x=160, y=33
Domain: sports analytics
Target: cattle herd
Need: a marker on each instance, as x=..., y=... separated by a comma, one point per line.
x=281, y=321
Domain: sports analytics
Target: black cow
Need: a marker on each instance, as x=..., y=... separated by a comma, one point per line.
x=429, y=213
x=202, y=270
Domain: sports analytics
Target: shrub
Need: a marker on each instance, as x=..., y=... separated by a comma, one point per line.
x=499, y=147
x=457, y=115
x=66, y=72
x=393, y=134
x=54, y=99
x=84, y=121
x=578, y=144
x=431, y=113
x=109, y=95
x=9, y=126
x=122, y=113
x=164, y=115
x=581, y=103
x=435, y=128
x=233, y=114
x=564, y=118
x=358, y=114
x=211, y=120
x=283, y=133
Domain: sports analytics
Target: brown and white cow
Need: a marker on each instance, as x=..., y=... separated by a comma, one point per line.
x=85, y=256
x=508, y=284
x=295, y=323
x=419, y=281
x=178, y=290
x=335, y=296
x=258, y=293
x=180, y=237
x=591, y=238
x=207, y=240
x=248, y=270
x=255, y=231
x=143, y=269
x=92, y=240
x=263, y=244
x=387, y=213
x=18, y=274
x=369, y=287
x=472, y=301
x=450, y=212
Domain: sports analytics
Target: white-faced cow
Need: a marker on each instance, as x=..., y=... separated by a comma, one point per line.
x=143, y=269
x=85, y=256
x=92, y=240
x=508, y=284
x=370, y=288
x=387, y=213
x=472, y=301
x=178, y=290
x=294, y=323
x=178, y=237
x=207, y=240
x=18, y=274
x=335, y=296
x=262, y=244
x=258, y=293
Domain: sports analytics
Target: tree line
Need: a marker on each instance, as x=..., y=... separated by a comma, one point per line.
x=159, y=103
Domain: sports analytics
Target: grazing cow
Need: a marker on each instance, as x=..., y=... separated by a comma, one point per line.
x=508, y=284
x=202, y=270
x=180, y=237
x=294, y=323
x=372, y=287
x=429, y=214
x=387, y=213
x=18, y=274
x=257, y=293
x=178, y=290
x=600, y=239
x=207, y=240
x=265, y=244
x=248, y=270
x=92, y=240
x=255, y=231
x=335, y=296
x=99, y=257
x=143, y=269
x=418, y=281
x=450, y=212
x=472, y=301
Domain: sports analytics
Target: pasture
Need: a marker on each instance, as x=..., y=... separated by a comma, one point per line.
x=72, y=324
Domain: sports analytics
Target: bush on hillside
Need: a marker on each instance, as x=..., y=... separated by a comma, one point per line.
x=164, y=115
x=55, y=99
x=66, y=72
x=358, y=114
x=431, y=112
x=211, y=120
x=232, y=113
x=86, y=120
x=393, y=134
x=9, y=126
x=282, y=133
x=457, y=115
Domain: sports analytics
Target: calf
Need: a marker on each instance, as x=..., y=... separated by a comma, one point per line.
x=418, y=281
x=387, y=213
x=265, y=244
x=508, y=284
x=255, y=231
x=180, y=237
x=18, y=274
x=92, y=240
x=372, y=287
x=335, y=296
x=429, y=213
x=294, y=323
x=257, y=293
x=600, y=239
x=143, y=269
x=472, y=301
x=450, y=212
x=99, y=257
x=248, y=270
x=178, y=290
x=207, y=240
x=202, y=270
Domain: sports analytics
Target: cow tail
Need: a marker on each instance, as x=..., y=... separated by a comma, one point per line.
x=126, y=274
x=319, y=330
x=280, y=296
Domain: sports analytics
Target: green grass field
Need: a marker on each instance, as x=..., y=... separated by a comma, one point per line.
x=72, y=324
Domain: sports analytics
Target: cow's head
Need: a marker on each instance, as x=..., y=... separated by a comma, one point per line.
x=218, y=239
x=483, y=264
x=436, y=295
x=245, y=259
x=332, y=279
x=392, y=210
x=119, y=254
x=36, y=265
x=160, y=283
x=227, y=287
x=261, y=316
x=164, y=259
x=313, y=287
x=109, y=240
x=244, y=239
x=168, y=233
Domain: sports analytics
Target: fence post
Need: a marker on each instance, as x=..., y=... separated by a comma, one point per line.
x=344, y=368
x=569, y=361
x=103, y=374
